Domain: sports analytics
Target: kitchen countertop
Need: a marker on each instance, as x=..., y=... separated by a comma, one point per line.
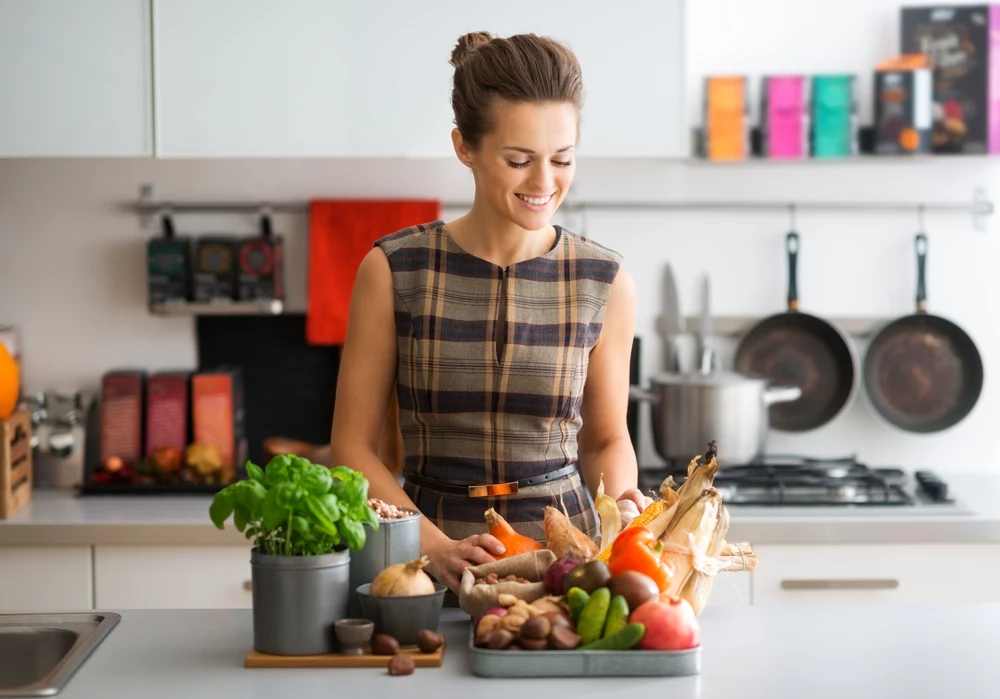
x=58, y=518
x=773, y=652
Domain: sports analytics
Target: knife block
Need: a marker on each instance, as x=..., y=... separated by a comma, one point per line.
x=15, y=463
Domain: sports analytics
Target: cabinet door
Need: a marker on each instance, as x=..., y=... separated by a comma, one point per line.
x=45, y=579
x=350, y=79
x=172, y=577
x=878, y=574
x=75, y=78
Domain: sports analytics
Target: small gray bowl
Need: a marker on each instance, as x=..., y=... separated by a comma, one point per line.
x=403, y=617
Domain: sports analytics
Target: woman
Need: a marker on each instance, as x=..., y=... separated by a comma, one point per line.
x=507, y=338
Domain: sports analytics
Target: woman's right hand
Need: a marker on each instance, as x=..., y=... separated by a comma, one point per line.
x=449, y=559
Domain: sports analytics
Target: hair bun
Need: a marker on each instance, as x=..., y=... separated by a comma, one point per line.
x=467, y=44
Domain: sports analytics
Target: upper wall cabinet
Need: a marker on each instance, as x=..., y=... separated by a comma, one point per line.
x=75, y=78
x=335, y=78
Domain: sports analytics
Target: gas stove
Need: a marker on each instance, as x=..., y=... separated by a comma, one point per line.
x=839, y=485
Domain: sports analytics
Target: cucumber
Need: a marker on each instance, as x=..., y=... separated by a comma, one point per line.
x=577, y=599
x=617, y=616
x=594, y=615
x=622, y=639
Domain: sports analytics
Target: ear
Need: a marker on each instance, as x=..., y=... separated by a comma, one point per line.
x=462, y=149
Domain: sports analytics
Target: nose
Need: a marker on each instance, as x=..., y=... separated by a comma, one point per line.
x=543, y=178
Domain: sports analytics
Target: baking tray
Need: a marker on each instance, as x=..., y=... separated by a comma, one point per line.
x=584, y=663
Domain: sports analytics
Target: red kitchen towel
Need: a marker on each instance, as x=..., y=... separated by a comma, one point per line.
x=341, y=233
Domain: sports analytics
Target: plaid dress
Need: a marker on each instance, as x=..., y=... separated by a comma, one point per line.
x=470, y=417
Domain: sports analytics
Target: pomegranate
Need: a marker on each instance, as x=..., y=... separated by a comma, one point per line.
x=671, y=624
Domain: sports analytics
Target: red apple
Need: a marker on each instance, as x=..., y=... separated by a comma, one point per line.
x=670, y=624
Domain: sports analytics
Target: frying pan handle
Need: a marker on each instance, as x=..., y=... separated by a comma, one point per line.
x=921, y=246
x=792, y=245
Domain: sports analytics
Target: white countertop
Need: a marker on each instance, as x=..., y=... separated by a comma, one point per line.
x=59, y=518
x=772, y=652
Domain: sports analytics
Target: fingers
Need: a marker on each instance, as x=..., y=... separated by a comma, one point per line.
x=490, y=543
x=634, y=495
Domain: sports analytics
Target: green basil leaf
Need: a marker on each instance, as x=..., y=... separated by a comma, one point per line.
x=273, y=514
x=370, y=517
x=255, y=472
x=332, y=505
x=317, y=481
x=255, y=498
x=318, y=510
x=354, y=533
x=277, y=470
x=287, y=495
x=222, y=506
x=241, y=516
x=301, y=526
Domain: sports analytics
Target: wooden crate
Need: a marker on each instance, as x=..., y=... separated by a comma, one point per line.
x=15, y=463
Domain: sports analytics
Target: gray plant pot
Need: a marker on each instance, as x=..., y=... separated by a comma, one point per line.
x=396, y=541
x=296, y=599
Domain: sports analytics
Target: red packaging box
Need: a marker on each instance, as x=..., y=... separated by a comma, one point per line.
x=167, y=411
x=217, y=414
x=122, y=400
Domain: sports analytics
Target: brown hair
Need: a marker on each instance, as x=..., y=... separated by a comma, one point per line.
x=520, y=68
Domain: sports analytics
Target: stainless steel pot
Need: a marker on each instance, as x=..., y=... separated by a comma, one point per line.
x=692, y=409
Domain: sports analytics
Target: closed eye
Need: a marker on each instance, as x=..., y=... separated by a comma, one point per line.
x=559, y=163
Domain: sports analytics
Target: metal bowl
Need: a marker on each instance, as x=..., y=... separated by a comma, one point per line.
x=402, y=617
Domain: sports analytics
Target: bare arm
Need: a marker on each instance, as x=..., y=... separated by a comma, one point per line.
x=605, y=446
x=364, y=389
x=364, y=386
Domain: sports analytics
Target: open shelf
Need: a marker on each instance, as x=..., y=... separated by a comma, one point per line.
x=262, y=307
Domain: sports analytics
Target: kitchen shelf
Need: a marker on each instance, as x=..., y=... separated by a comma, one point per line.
x=263, y=307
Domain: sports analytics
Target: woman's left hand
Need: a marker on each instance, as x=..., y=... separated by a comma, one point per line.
x=635, y=495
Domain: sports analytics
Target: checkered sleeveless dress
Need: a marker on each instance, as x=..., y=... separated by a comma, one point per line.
x=469, y=417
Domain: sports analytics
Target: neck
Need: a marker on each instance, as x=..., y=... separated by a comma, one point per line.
x=483, y=234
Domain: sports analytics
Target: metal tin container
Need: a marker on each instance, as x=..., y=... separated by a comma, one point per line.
x=296, y=599
x=403, y=617
x=584, y=663
x=396, y=541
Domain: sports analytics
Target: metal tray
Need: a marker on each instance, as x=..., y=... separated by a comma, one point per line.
x=584, y=663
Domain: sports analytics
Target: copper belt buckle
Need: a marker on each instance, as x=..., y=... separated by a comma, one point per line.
x=491, y=489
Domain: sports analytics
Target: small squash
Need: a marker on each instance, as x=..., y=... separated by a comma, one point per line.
x=513, y=542
x=10, y=386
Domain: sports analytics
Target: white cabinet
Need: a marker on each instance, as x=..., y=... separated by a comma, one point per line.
x=334, y=78
x=880, y=574
x=74, y=78
x=172, y=577
x=45, y=579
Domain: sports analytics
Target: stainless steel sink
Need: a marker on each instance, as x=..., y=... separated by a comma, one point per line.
x=39, y=653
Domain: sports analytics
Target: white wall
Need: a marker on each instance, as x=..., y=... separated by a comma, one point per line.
x=72, y=263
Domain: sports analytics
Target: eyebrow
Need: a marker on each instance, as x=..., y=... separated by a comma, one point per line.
x=531, y=152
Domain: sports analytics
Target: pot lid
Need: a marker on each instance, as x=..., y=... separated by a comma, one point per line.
x=715, y=378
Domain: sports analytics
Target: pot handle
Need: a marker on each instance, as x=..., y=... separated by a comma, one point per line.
x=783, y=394
x=642, y=395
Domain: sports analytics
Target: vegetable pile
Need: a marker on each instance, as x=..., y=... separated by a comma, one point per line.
x=642, y=588
x=294, y=507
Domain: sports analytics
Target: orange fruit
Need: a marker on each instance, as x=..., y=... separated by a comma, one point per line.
x=10, y=384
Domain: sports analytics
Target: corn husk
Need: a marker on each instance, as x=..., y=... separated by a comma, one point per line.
x=611, y=519
x=692, y=532
x=700, y=475
x=698, y=585
x=738, y=557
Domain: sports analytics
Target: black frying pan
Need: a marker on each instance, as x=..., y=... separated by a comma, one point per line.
x=923, y=373
x=798, y=349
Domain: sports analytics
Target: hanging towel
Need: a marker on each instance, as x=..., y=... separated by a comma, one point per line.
x=341, y=233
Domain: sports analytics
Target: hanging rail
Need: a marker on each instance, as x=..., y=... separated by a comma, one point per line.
x=978, y=208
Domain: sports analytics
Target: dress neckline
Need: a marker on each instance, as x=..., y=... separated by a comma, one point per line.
x=443, y=228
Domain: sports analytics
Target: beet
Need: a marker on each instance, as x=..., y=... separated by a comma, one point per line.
x=556, y=573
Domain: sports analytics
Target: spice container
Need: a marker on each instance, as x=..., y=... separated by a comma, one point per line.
x=396, y=541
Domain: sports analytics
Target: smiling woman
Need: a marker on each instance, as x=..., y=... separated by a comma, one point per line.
x=507, y=338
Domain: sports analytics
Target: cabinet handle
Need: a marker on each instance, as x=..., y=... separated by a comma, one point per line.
x=860, y=584
x=247, y=585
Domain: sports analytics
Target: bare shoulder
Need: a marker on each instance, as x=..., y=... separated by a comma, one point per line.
x=621, y=299
x=374, y=274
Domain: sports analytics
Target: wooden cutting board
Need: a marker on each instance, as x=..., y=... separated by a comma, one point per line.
x=255, y=659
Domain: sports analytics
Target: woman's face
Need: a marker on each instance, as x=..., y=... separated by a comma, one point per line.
x=525, y=165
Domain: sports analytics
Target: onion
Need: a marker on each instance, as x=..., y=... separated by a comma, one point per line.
x=556, y=573
x=403, y=580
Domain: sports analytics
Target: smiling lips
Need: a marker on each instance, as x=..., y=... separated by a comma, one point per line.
x=536, y=202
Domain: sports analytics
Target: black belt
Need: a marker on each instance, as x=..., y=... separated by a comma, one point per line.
x=477, y=490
